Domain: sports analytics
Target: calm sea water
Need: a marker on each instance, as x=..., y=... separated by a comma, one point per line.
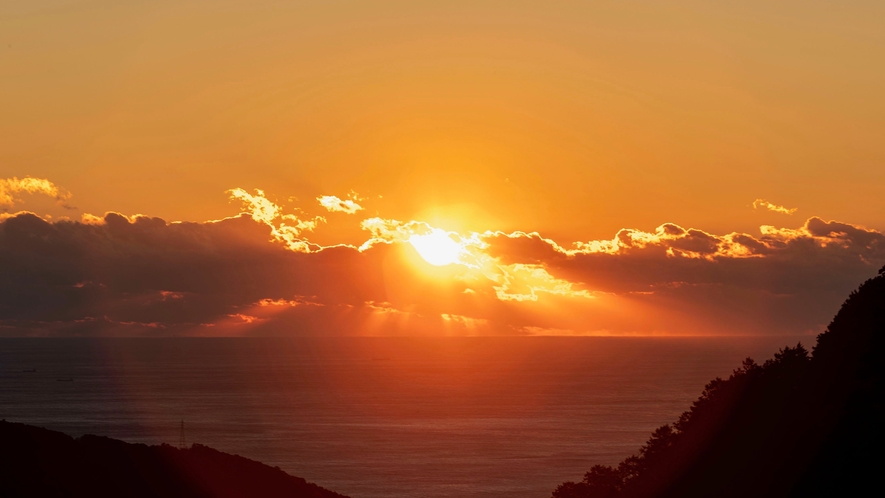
x=378, y=417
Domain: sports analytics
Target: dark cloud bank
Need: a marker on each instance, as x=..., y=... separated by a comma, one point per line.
x=144, y=276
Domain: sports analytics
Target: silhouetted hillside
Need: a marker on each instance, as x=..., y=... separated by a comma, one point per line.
x=798, y=425
x=44, y=463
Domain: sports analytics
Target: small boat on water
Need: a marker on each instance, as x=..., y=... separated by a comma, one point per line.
x=67, y=379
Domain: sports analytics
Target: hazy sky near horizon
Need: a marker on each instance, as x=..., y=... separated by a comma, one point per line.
x=609, y=128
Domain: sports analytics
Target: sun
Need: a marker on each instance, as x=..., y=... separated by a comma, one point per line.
x=437, y=247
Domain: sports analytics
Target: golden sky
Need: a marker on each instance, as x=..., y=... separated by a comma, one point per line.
x=574, y=120
x=571, y=118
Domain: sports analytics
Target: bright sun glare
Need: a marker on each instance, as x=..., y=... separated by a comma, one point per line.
x=436, y=247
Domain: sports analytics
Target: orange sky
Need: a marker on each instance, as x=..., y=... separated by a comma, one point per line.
x=571, y=119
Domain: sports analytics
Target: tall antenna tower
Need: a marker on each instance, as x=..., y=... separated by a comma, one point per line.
x=182, y=443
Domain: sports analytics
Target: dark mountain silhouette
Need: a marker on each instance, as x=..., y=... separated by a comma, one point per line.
x=39, y=462
x=797, y=425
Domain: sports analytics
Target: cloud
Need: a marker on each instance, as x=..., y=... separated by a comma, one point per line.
x=763, y=204
x=257, y=273
x=510, y=282
x=337, y=205
x=9, y=187
x=285, y=228
x=467, y=249
x=261, y=209
x=670, y=250
x=524, y=282
x=780, y=281
x=141, y=270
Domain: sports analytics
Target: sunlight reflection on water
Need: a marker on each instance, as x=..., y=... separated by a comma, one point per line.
x=378, y=417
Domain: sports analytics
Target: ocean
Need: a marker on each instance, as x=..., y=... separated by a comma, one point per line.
x=378, y=417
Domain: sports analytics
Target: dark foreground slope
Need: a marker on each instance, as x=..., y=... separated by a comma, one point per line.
x=44, y=463
x=798, y=425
